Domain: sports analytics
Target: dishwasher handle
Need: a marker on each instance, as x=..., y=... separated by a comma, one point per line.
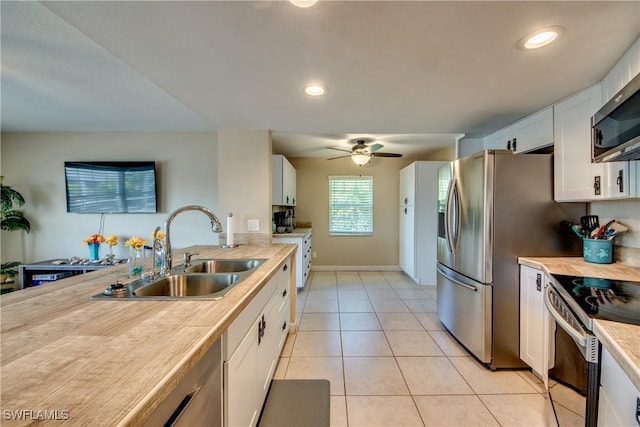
x=181, y=407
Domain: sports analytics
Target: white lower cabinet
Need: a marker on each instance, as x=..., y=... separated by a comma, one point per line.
x=535, y=323
x=303, y=257
x=619, y=400
x=249, y=366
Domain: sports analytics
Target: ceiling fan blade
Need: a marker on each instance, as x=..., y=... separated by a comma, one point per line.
x=386, y=154
x=338, y=149
x=375, y=147
x=339, y=157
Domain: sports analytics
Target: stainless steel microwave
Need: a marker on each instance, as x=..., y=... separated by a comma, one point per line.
x=615, y=128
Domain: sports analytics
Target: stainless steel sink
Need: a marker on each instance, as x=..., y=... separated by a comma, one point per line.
x=205, y=279
x=188, y=285
x=223, y=265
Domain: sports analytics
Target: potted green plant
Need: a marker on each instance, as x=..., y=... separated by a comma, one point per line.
x=11, y=219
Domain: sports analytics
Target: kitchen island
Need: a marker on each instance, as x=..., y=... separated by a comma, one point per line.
x=106, y=362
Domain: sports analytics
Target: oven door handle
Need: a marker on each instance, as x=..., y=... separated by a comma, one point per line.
x=578, y=335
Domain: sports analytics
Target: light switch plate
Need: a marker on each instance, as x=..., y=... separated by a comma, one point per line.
x=253, y=225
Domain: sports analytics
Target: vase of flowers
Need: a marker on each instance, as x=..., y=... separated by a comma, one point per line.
x=136, y=255
x=93, y=242
x=111, y=241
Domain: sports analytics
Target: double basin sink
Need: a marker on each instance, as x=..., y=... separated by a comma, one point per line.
x=204, y=279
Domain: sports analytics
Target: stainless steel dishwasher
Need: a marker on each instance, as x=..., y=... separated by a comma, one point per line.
x=197, y=400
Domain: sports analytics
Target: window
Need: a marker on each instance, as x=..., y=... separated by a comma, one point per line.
x=350, y=205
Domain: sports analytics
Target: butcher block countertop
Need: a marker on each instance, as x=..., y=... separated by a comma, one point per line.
x=620, y=339
x=105, y=362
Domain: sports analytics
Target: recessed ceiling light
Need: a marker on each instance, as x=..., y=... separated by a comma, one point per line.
x=315, y=90
x=303, y=3
x=540, y=38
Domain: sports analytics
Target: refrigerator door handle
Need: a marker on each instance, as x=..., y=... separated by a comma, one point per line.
x=449, y=208
x=455, y=280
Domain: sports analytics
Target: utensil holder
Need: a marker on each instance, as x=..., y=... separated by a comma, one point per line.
x=597, y=251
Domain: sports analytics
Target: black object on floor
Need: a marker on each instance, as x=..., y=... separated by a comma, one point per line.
x=297, y=403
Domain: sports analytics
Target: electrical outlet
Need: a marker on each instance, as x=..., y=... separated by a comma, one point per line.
x=253, y=225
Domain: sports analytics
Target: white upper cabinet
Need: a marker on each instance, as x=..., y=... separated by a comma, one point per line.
x=408, y=185
x=622, y=73
x=283, y=181
x=576, y=178
x=533, y=132
x=529, y=134
x=499, y=140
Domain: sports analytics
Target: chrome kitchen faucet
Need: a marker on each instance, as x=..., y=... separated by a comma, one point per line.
x=168, y=256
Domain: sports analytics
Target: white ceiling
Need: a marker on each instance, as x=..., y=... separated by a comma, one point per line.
x=412, y=75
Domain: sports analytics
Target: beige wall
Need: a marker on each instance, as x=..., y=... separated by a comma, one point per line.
x=33, y=163
x=381, y=249
x=244, y=187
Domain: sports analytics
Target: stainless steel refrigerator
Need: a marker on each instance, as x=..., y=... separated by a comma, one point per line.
x=493, y=207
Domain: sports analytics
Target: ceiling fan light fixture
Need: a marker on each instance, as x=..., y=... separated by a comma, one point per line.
x=303, y=3
x=540, y=38
x=360, y=159
x=315, y=90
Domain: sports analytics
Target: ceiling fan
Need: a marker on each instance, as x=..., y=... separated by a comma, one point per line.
x=361, y=153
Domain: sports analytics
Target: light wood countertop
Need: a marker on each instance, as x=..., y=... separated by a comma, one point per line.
x=620, y=339
x=111, y=362
x=297, y=232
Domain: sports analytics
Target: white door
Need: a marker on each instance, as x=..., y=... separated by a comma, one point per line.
x=407, y=240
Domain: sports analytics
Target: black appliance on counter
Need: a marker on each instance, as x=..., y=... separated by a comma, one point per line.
x=574, y=302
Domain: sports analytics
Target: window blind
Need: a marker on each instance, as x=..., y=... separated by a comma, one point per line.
x=350, y=205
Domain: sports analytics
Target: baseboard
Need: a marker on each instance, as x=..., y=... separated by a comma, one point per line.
x=355, y=268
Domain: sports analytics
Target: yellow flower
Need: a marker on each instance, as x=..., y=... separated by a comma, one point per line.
x=112, y=240
x=159, y=235
x=94, y=238
x=136, y=243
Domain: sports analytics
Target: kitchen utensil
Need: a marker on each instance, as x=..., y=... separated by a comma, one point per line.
x=589, y=223
x=616, y=229
x=575, y=228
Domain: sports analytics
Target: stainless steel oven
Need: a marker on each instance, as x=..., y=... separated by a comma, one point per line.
x=574, y=303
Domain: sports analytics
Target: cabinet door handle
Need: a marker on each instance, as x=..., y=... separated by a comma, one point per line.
x=539, y=282
x=284, y=325
x=509, y=145
x=620, y=181
x=406, y=200
x=285, y=268
x=405, y=211
x=284, y=293
x=514, y=145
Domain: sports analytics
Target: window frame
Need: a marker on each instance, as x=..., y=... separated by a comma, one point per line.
x=350, y=180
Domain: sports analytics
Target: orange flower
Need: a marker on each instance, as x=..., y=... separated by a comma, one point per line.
x=94, y=238
x=112, y=240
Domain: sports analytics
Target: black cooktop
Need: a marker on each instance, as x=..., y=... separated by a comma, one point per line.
x=606, y=299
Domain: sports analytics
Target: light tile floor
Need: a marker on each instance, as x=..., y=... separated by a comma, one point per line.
x=376, y=337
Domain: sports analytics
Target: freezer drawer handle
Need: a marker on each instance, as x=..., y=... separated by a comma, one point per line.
x=457, y=282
